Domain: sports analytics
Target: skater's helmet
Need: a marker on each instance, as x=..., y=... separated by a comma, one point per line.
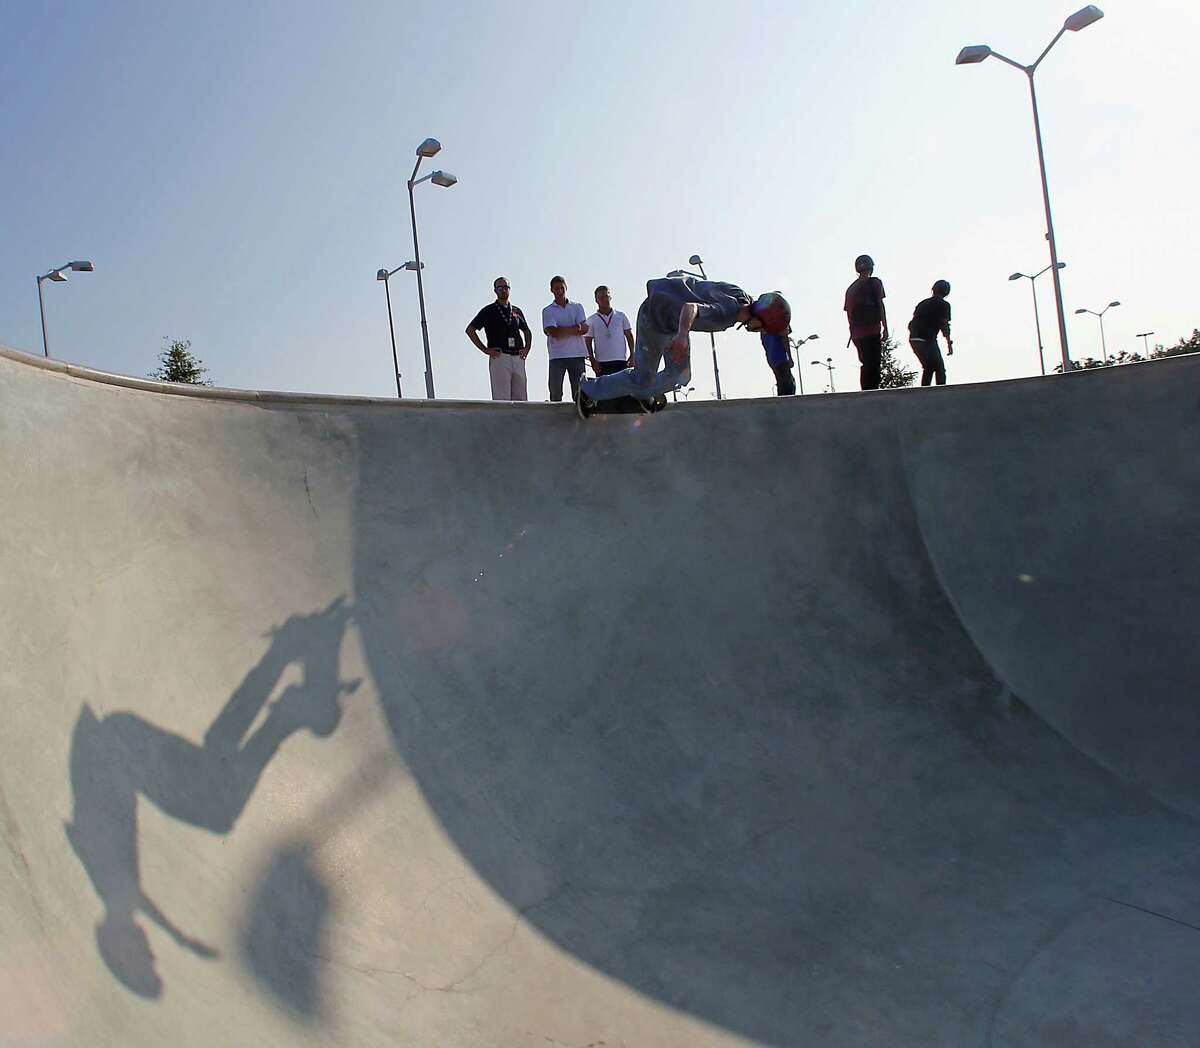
x=941, y=288
x=773, y=312
x=864, y=264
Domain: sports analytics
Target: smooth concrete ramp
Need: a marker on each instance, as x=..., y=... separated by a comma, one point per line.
x=838, y=721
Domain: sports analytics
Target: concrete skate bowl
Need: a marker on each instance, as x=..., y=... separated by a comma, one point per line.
x=853, y=720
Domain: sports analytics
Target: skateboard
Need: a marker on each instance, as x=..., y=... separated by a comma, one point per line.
x=622, y=406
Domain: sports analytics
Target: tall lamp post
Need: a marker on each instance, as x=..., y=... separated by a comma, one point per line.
x=1036, y=321
x=1145, y=337
x=829, y=365
x=385, y=275
x=430, y=147
x=1103, y=345
x=57, y=276
x=796, y=343
x=1081, y=19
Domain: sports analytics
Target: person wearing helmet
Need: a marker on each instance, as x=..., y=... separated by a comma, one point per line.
x=779, y=359
x=931, y=316
x=675, y=307
x=867, y=317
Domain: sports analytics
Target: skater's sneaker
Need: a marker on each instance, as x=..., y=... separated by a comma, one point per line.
x=584, y=405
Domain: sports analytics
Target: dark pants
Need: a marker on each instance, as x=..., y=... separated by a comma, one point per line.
x=610, y=367
x=932, y=364
x=870, y=355
x=572, y=367
x=785, y=381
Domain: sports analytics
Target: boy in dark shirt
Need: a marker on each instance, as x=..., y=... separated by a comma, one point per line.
x=931, y=316
x=866, y=314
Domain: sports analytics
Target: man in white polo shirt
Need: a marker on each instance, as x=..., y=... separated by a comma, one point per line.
x=565, y=324
x=610, y=338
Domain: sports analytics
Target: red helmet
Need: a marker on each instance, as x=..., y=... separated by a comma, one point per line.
x=773, y=311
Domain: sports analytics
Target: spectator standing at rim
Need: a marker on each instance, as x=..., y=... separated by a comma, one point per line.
x=866, y=314
x=674, y=307
x=779, y=360
x=565, y=324
x=609, y=338
x=931, y=316
x=509, y=341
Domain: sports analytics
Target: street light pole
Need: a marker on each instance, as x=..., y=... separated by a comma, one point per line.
x=829, y=365
x=796, y=343
x=430, y=147
x=412, y=210
x=58, y=276
x=42, y=309
x=386, y=275
x=1145, y=337
x=695, y=261
x=1036, y=319
x=1103, y=344
x=977, y=53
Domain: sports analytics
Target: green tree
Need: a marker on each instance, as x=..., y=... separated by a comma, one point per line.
x=1185, y=345
x=894, y=374
x=177, y=363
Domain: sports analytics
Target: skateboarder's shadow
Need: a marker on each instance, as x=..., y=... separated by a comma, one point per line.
x=119, y=756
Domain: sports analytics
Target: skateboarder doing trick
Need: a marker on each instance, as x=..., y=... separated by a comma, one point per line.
x=674, y=307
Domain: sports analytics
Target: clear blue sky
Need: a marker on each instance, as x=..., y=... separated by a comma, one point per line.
x=237, y=174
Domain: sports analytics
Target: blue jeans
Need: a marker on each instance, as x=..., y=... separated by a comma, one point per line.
x=643, y=380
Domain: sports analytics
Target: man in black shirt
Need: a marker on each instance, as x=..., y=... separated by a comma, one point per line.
x=931, y=316
x=508, y=343
x=866, y=314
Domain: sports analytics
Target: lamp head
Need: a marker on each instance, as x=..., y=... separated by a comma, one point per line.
x=430, y=147
x=412, y=267
x=443, y=179
x=58, y=276
x=1111, y=304
x=381, y=274
x=972, y=54
x=1078, y=311
x=812, y=338
x=1083, y=18
x=676, y=273
x=695, y=260
x=1016, y=276
x=83, y=266
x=1061, y=265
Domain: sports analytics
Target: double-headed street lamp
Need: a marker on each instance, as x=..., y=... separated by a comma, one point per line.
x=1037, y=322
x=796, y=343
x=696, y=261
x=430, y=147
x=57, y=276
x=829, y=365
x=1081, y=19
x=1145, y=337
x=1103, y=345
x=385, y=275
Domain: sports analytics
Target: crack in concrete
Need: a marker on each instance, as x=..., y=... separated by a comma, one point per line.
x=1152, y=913
x=308, y=494
x=373, y=971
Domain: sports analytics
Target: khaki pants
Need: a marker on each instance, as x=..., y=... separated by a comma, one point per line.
x=507, y=372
